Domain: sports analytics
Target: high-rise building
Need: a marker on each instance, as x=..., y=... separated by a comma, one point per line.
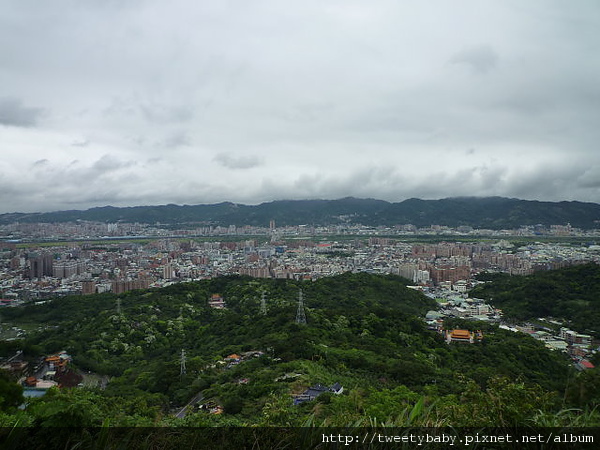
x=168, y=271
x=88, y=287
x=40, y=265
x=67, y=269
x=124, y=285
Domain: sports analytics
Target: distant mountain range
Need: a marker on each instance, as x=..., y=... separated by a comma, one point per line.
x=477, y=212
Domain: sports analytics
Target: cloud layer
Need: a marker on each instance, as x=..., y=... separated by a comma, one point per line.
x=13, y=113
x=147, y=102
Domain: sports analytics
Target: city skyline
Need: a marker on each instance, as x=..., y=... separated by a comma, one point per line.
x=146, y=103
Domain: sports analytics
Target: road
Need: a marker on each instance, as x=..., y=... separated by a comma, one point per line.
x=197, y=398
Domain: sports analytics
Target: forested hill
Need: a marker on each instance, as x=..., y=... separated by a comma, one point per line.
x=159, y=323
x=365, y=332
x=571, y=294
x=488, y=212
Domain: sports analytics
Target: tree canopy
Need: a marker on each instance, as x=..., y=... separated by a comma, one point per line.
x=363, y=331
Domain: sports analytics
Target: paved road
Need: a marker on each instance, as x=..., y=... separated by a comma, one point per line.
x=197, y=398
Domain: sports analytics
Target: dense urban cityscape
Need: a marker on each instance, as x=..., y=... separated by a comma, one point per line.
x=269, y=225
x=45, y=260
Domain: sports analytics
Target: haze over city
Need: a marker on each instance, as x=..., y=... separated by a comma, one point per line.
x=148, y=102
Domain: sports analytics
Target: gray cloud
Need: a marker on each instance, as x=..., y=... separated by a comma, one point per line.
x=81, y=176
x=14, y=113
x=386, y=99
x=590, y=178
x=81, y=143
x=157, y=113
x=176, y=139
x=237, y=162
x=108, y=163
x=481, y=59
x=40, y=163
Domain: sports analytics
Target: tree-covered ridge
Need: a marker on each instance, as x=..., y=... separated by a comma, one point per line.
x=485, y=212
x=363, y=331
x=571, y=294
x=162, y=322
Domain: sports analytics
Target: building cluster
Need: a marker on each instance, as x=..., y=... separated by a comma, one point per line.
x=580, y=347
x=37, y=271
x=83, y=230
x=457, y=306
x=52, y=370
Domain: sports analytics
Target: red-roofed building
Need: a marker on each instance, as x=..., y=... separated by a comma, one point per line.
x=216, y=301
x=584, y=364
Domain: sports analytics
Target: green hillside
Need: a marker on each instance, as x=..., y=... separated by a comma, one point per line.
x=363, y=331
x=571, y=295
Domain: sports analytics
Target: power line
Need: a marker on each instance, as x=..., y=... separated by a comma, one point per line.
x=263, y=305
x=300, y=314
x=182, y=359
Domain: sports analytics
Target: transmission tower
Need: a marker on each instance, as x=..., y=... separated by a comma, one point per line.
x=300, y=315
x=182, y=371
x=263, y=304
x=119, y=306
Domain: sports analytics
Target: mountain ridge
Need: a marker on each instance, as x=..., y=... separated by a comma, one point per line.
x=477, y=212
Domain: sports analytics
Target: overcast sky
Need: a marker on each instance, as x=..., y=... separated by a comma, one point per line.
x=137, y=102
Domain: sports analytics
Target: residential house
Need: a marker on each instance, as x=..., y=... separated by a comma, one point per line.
x=313, y=392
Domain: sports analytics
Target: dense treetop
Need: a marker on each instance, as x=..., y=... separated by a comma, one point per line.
x=363, y=331
x=570, y=295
